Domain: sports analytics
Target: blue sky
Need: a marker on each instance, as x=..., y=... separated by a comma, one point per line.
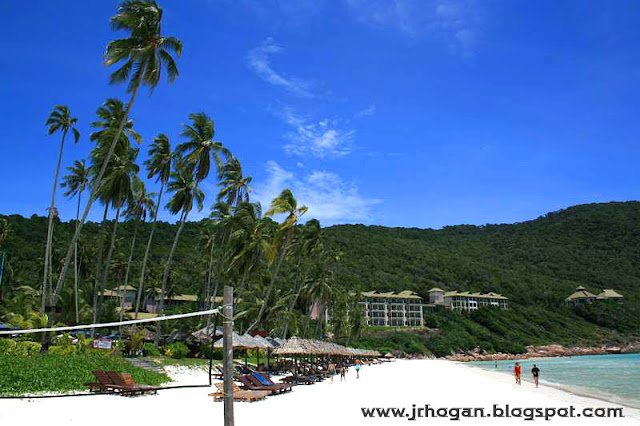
x=420, y=113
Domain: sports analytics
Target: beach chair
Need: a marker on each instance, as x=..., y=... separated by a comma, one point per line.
x=104, y=383
x=128, y=386
x=250, y=384
x=266, y=381
x=239, y=394
x=298, y=380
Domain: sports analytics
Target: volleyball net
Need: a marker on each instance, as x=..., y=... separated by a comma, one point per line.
x=111, y=324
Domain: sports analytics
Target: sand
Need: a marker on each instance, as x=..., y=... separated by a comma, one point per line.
x=399, y=384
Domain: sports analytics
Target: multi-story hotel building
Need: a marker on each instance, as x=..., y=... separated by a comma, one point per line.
x=465, y=301
x=403, y=309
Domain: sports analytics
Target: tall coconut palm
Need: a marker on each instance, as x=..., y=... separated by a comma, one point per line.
x=200, y=147
x=248, y=243
x=110, y=115
x=307, y=248
x=142, y=203
x=76, y=183
x=158, y=165
x=185, y=190
x=222, y=217
x=285, y=203
x=59, y=120
x=143, y=56
x=117, y=190
x=235, y=187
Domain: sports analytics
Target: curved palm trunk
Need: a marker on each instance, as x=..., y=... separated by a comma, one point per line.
x=223, y=244
x=126, y=275
x=92, y=198
x=96, y=280
x=75, y=264
x=146, y=253
x=207, y=290
x=295, y=298
x=47, y=254
x=165, y=276
x=107, y=264
x=270, y=288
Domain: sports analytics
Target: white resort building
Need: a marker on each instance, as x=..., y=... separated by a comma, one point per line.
x=465, y=301
x=402, y=309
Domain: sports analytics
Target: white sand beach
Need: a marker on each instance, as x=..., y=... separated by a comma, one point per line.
x=441, y=384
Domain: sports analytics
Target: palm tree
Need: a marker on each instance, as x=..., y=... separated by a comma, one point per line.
x=308, y=246
x=185, y=190
x=320, y=291
x=110, y=115
x=158, y=164
x=5, y=231
x=117, y=191
x=201, y=147
x=144, y=53
x=76, y=183
x=142, y=203
x=222, y=217
x=248, y=242
x=285, y=203
x=59, y=120
x=235, y=187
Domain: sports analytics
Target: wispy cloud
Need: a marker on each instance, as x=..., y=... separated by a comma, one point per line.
x=258, y=61
x=330, y=199
x=320, y=139
x=457, y=22
x=368, y=111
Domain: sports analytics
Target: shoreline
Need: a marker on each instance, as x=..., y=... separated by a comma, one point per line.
x=570, y=389
x=545, y=351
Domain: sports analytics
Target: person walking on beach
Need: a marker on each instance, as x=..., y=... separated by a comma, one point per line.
x=332, y=370
x=536, y=372
x=358, y=362
x=518, y=372
x=343, y=372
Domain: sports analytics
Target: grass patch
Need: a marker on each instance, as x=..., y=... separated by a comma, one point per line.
x=64, y=373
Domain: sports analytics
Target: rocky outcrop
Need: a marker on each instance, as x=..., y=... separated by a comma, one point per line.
x=544, y=352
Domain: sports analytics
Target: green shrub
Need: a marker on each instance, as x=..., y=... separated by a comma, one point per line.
x=149, y=349
x=19, y=348
x=7, y=346
x=177, y=350
x=62, y=350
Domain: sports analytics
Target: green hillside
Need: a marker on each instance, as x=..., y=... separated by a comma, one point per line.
x=536, y=264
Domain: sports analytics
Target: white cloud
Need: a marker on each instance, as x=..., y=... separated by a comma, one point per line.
x=329, y=199
x=368, y=111
x=258, y=61
x=321, y=139
x=457, y=22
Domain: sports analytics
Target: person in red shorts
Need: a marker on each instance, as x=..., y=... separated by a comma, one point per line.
x=518, y=372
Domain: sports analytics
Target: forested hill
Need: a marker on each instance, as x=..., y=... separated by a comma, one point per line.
x=537, y=264
x=542, y=261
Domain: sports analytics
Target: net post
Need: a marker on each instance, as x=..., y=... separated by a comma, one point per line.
x=227, y=343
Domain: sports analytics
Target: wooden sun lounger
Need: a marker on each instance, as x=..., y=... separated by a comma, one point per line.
x=128, y=386
x=250, y=385
x=239, y=394
x=104, y=385
x=254, y=379
x=299, y=380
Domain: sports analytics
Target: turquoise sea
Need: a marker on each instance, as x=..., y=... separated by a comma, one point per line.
x=614, y=378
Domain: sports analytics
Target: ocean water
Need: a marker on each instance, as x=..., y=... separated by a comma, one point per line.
x=614, y=378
